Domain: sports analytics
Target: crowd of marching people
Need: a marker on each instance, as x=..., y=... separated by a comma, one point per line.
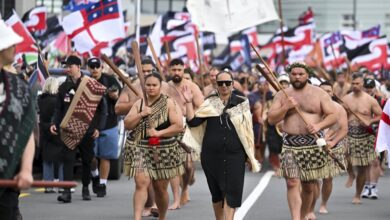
x=174, y=117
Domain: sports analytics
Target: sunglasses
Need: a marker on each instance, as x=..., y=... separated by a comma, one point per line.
x=226, y=83
x=97, y=66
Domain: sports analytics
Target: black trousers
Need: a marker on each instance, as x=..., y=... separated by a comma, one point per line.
x=9, y=205
x=86, y=152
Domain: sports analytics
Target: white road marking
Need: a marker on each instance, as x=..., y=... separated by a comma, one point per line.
x=252, y=198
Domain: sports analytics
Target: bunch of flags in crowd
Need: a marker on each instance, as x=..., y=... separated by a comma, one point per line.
x=94, y=27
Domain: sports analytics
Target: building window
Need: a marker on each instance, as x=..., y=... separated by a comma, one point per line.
x=348, y=21
x=387, y=20
x=161, y=6
x=53, y=6
x=6, y=7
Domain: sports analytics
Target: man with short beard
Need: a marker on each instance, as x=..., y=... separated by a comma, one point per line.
x=303, y=162
x=213, y=79
x=342, y=86
x=360, y=141
x=176, y=69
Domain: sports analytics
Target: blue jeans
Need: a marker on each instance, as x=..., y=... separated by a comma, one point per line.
x=48, y=170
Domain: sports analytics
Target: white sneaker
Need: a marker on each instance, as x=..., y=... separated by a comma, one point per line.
x=61, y=190
x=374, y=193
x=366, y=192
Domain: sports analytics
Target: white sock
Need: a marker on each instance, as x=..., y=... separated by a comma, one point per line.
x=103, y=181
x=95, y=173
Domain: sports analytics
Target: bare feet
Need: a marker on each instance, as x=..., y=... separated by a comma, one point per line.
x=154, y=212
x=323, y=210
x=174, y=206
x=192, y=180
x=349, y=182
x=146, y=212
x=356, y=201
x=381, y=173
x=185, y=198
x=311, y=216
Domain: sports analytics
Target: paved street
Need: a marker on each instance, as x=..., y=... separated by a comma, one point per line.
x=271, y=205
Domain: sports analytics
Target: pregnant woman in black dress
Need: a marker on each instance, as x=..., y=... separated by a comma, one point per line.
x=223, y=127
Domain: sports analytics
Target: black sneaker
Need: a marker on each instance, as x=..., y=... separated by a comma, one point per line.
x=101, y=190
x=85, y=193
x=95, y=184
x=65, y=197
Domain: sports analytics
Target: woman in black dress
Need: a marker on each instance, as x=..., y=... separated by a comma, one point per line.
x=224, y=130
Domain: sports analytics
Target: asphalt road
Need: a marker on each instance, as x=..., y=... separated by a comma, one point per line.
x=270, y=205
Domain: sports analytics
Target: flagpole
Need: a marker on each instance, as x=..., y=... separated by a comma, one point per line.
x=159, y=67
x=334, y=55
x=137, y=20
x=44, y=63
x=167, y=51
x=282, y=32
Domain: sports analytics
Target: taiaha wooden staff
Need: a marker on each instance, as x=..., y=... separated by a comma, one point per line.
x=60, y=184
x=119, y=73
x=348, y=75
x=322, y=71
x=282, y=32
x=137, y=57
x=266, y=76
x=158, y=64
x=199, y=60
x=298, y=110
x=167, y=51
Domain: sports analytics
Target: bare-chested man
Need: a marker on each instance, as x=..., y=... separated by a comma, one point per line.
x=176, y=69
x=334, y=137
x=360, y=142
x=303, y=162
x=213, y=79
x=342, y=85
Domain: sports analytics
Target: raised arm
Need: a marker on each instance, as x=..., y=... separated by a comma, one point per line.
x=198, y=96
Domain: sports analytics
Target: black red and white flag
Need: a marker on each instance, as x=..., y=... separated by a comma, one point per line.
x=353, y=39
x=295, y=37
x=35, y=19
x=306, y=17
x=372, y=55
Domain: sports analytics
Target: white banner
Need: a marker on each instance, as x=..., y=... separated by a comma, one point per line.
x=227, y=16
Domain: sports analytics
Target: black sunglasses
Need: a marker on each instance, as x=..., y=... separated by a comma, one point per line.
x=94, y=66
x=226, y=82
